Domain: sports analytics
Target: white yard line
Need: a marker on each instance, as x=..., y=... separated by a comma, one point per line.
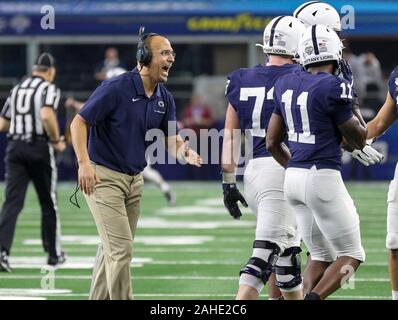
x=190, y=278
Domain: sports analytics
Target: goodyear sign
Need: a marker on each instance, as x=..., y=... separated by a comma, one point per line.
x=56, y=23
x=232, y=24
x=243, y=23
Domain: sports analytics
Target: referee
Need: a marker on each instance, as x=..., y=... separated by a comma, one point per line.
x=33, y=133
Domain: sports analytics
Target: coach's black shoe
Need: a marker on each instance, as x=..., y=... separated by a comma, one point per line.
x=4, y=264
x=56, y=261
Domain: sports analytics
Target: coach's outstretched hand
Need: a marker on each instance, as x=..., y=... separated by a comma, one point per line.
x=191, y=157
x=231, y=198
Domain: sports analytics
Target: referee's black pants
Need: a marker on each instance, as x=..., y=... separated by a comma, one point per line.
x=36, y=162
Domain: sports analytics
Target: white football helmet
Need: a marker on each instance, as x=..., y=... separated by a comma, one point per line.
x=316, y=12
x=319, y=44
x=282, y=35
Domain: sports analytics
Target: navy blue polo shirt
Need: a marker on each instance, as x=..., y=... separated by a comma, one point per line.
x=120, y=114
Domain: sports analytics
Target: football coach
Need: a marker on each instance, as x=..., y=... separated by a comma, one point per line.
x=115, y=120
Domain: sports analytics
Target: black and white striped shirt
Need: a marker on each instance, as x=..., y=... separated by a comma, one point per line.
x=23, y=105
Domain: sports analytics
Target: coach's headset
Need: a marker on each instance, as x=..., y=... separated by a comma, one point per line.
x=144, y=54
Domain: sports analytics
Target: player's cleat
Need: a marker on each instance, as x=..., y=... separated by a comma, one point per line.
x=171, y=199
x=4, y=264
x=56, y=261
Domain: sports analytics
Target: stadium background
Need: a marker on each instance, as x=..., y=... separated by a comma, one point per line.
x=193, y=250
x=211, y=38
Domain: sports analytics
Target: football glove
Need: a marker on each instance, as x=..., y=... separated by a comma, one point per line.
x=231, y=198
x=367, y=155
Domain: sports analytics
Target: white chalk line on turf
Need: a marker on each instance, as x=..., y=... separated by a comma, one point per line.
x=76, y=262
x=160, y=223
x=147, y=240
x=92, y=251
x=71, y=262
x=166, y=278
x=17, y=297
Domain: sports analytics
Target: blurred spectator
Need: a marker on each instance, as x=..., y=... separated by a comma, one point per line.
x=371, y=77
x=109, y=65
x=373, y=83
x=368, y=83
x=197, y=115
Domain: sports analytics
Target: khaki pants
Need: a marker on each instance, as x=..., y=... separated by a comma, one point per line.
x=115, y=206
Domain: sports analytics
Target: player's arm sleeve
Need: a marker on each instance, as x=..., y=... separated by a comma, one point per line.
x=100, y=104
x=339, y=101
x=6, y=111
x=169, y=123
x=232, y=89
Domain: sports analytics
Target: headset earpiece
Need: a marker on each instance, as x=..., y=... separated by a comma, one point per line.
x=144, y=54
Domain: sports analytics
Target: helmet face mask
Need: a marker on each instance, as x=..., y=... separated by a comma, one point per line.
x=316, y=12
x=281, y=36
x=319, y=45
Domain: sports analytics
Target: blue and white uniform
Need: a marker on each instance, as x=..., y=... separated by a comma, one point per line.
x=250, y=92
x=312, y=107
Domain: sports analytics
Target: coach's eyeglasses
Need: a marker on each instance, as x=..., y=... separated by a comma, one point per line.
x=168, y=53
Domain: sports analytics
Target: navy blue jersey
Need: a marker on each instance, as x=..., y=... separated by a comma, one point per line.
x=312, y=106
x=250, y=92
x=393, y=86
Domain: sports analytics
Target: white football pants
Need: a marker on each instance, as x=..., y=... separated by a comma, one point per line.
x=263, y=183
x=326, y=216
x=392, y=213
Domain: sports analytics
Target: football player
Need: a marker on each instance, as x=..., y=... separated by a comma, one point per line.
x=312, y=13
x=317, y=12
x=250, y=95
x=314, y=109
x=376, y=127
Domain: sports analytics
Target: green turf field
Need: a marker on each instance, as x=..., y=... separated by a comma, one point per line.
x=191, y=251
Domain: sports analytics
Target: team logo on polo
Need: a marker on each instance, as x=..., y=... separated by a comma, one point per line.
x=396, y=82
x=161, y=104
